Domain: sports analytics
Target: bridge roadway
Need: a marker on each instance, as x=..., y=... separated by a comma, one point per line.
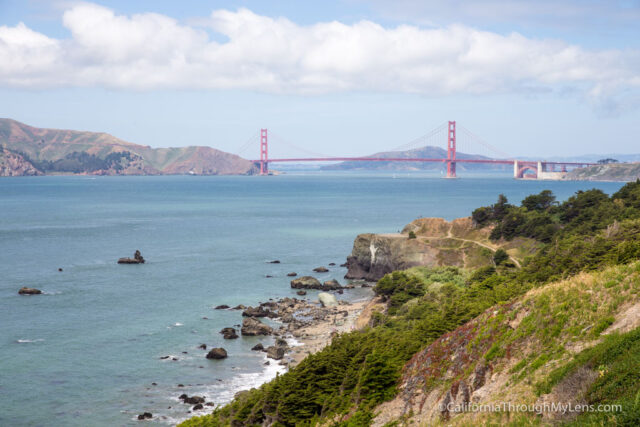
x=419, y=159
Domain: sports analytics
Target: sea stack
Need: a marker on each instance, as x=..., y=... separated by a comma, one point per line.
x=137, y=259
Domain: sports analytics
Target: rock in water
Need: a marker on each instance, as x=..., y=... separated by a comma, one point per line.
x=301, y=293
x=229, y=333
x=222, y=307
x=308, y=282
x=146, y=415
x=327, y=300
x=253, y=327
x=275, y=352
x=321, y=269
x=29, y=291
x=292, y=274
x=332, y=284
x=193, y=400
x=137, y=259
x=258, y=347
x=275, y=261
x=217, y=353
x=259, y=311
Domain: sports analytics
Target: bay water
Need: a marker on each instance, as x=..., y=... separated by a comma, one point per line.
x=87, y=351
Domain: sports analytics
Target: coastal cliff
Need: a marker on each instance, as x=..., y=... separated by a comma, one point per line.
x=27, y=150
x=12, y=164
x=437, y=243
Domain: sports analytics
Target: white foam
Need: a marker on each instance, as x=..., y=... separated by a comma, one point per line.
x=23, y=341
x=293, y=342
x=223, y=392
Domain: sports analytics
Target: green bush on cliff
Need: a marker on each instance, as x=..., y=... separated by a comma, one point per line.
x=540, y=217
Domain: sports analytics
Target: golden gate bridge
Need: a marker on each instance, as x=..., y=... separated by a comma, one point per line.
x=539, y=169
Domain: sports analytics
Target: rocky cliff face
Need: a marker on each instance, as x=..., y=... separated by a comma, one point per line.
x=74, y=152
x=437, y=243
x=12, y=164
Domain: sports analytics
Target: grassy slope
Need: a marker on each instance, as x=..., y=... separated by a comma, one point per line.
x=532, y=343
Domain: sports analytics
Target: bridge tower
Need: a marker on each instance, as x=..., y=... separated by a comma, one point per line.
x=451, y=150
x=264, y=152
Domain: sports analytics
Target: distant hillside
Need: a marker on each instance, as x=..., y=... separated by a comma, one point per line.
x=25, y=150
x=610, y=172
x=424, y=152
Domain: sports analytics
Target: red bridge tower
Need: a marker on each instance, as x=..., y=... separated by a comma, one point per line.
x=451, y=150
x=264, y=152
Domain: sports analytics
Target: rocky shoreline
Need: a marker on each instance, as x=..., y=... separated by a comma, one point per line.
x=297, y=327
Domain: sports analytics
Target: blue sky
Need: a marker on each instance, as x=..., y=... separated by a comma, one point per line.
x=345, y=77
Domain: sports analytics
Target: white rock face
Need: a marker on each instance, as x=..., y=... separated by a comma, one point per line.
x=327, y=300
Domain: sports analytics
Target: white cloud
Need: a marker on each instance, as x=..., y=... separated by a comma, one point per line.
x=149, y=51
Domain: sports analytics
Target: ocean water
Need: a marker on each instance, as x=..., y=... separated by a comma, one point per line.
x=88, y=350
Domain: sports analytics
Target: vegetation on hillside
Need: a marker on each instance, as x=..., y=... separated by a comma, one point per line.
x=357, y=371
x=82, y=162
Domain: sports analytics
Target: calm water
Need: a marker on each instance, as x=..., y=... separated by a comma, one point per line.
x=87, y=352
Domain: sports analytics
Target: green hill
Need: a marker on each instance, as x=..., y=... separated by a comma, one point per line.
x=30, y=151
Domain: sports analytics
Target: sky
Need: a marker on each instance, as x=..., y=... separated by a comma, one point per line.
x=338, y=77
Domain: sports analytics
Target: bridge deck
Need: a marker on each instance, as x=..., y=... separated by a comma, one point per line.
x=420, y=159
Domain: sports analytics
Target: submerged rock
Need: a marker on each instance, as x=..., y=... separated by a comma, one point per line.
x=203, y=346
x=327, y=300
x=253, y=327
x=301, y=293
x=229, y=333
x=321, y=269
x=222, y=307
x=29, y=291
x=137, y=259
x=217, y=353
x=292, y=274
x=275, y=261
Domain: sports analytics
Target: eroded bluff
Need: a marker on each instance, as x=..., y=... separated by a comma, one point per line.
x=437, y=242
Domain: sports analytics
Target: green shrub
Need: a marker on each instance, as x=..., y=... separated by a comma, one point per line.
x=500, y=256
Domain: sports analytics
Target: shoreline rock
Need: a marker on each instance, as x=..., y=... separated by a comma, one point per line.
x=253, y=327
